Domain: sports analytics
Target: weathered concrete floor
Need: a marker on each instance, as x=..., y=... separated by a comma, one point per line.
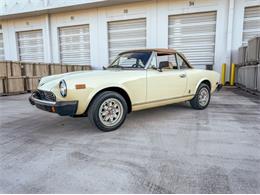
x=172, y=149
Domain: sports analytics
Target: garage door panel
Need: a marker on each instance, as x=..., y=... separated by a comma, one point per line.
x=191, y=25
x=193, y=19
x=251, y=23
x=35, y=55
x=194, y=35
x=126, y=24
x=34, y=34
x=198, y=29
x=129, y=43
x=32, y=51
x=129, y=34
x=72, y=54
x=126, y=35
x=194, y=49
x=31, y=43
x=30, y=46
x=75, y=45
x=70, y=30
x=205, y=37
x=75, y=38
x=69, y=43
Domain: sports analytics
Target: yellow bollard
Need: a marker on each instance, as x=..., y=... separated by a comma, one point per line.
x=232, y=75
x=223, y=74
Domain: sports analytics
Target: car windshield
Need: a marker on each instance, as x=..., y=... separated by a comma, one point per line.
x=135, y=60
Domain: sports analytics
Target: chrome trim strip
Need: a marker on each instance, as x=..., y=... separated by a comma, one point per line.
x=163, y=100
x=44, y=102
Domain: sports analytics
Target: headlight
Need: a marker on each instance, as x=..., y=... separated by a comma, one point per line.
x=63, y=88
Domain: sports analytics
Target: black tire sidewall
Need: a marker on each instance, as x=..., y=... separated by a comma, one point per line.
x=195, y=101
x=94, y=110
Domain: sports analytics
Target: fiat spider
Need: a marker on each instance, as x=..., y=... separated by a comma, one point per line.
x=135, y=80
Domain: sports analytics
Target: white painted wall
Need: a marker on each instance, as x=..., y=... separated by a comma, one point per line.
x=229, y=27
x=11, y=27
x=237, y=36
x=79, y=18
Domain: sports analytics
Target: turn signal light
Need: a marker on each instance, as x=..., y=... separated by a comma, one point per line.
x=80, y=86
x=53, y=109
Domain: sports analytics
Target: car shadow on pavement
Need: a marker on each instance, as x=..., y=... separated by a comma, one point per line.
x=45, y=123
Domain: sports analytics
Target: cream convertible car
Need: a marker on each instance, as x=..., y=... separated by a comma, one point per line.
x=136, y=80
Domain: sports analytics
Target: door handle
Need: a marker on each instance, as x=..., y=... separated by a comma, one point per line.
x=182, y=75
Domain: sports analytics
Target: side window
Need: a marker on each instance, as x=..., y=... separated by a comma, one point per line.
x=170, y=60
x=182, y=64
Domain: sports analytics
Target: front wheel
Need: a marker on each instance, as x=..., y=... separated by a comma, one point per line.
x=108, y=111
x=202, y=98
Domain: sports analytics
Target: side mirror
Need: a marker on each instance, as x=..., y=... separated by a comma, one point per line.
x=163, y=64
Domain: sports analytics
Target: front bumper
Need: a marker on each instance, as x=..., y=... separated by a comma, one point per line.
x=63, y=108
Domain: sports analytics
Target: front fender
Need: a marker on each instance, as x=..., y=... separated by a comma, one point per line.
x=84, y=104
x=96, y=90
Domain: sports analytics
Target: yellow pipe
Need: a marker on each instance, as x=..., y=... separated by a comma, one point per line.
x=223, y=74
x=232, y=76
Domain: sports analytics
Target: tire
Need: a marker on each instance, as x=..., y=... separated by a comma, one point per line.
x=203, y=92
x=108, y=111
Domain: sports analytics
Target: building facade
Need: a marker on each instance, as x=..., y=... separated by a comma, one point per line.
x=208, y=32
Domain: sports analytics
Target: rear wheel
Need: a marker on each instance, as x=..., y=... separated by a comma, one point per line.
x=202, y=98
x=108, y=111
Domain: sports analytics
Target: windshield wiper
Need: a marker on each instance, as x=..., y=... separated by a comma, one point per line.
x=117, y=66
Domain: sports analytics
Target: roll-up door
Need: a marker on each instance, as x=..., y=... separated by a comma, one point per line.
x=126, y=35
x=30, y=46
x=194, y=36
x=251, y=23
x=2, y=57
x=75, y=45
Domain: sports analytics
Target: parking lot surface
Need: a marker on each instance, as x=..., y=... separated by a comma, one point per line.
x=171, y=149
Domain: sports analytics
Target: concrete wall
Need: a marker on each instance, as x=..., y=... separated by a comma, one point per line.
x=228, y=30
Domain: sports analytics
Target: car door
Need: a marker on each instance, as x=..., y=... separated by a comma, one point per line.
x=168, y=83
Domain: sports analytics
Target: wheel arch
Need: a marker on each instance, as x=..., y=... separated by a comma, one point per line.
x=205, y=81
x=116, y=89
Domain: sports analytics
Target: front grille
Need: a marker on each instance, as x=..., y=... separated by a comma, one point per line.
x=47, y=95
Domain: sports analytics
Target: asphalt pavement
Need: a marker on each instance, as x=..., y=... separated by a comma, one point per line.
x=171, y=149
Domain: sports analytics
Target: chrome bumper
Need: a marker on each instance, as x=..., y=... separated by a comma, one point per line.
x=63, y=108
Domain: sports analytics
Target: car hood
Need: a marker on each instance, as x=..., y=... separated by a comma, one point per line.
x=48, y=82
x=70, y=75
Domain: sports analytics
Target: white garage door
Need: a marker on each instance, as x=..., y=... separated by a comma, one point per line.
x=2, y=57
x=194, y=36
x=30, y=46
x=251, y=23
x=126, y=35
x=75, y=45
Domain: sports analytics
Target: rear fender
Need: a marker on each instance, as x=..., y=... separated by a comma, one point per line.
x=200, y=81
